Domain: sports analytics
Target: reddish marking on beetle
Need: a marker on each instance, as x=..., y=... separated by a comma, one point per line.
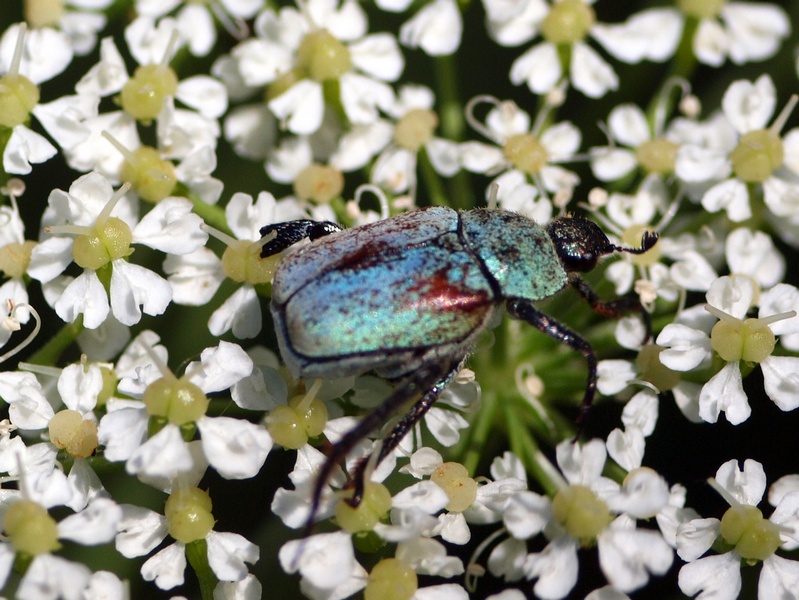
x=438, y=294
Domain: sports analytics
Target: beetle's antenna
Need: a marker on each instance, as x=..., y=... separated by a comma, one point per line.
x=648, y=240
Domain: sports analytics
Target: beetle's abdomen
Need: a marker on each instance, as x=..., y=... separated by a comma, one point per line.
x=423, y=296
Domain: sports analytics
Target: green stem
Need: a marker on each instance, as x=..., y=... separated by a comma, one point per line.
x=52, y=350
x=212, y=214
x=197, y=554
x=523, y=445
x=432, y=182
x=479, y=432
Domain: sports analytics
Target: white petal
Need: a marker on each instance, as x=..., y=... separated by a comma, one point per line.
x=445, y=425
x=46, y=52
x=378, y=55
x=122, y=432
x=711, y=43
x=424, y=495
x=96, y=524
x=748, y=105
x=25, y=147
x=561, y=141
x=50, y=258
x=163, y=455
x=697, y=164
x=205, y=94
x=79, y=386
x=642, y=496
x=556, y=568
x=626, y=447
x=756, y=30
x=730, y=195
x=50, y=576
x=480, y=158
x=194, y=277
x=527, y=514
x=301, y=107
x=781, y=381
x=362, y=97
x=641, y=411
x=64, y=118
x=628, y=125
x=241, y=313
x=651, y=34
x=236, y=448
x=106, y=77
x=539, y=68
x=609, y=164
x=779, y=578
x=443, y=155
x=627, y=556
x=171, y=227
x=436, y=28
x=746, y=485
x=166, y=567
x=590, y=73
x=717, y=577
x=326, y=560
x=686, y=348
x=429, y=557
x=228, y=553
x=581, y=463
x=753, y=253
x=695, y=537
x=724, y=392
x=733, y=295
x=357, y=147
x=87, y=296
x=140, y=531
x=133, y=286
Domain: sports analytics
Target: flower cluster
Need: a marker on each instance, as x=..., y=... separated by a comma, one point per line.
x=152, y=154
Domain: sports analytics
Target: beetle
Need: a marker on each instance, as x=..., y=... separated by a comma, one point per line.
x=408, y=297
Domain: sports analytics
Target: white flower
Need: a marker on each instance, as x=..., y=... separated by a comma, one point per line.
x=524, y=154
x=730, y=298
x=752, y=537
x=26, y=61
x=360, y=62
x=568, y=24
x=234, y=447
x=85, y=214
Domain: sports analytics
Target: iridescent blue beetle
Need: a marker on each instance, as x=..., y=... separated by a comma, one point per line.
x=408, y=297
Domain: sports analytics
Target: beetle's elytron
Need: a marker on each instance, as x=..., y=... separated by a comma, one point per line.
x=408, y=297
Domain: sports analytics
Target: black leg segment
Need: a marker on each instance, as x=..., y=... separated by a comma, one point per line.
x=612, y=308
x=525, y=311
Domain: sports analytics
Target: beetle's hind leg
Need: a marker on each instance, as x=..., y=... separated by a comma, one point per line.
x=399, y=431
x=291, y=232
x=429, y=380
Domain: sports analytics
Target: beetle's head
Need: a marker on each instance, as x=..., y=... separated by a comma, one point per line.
x=580, y=243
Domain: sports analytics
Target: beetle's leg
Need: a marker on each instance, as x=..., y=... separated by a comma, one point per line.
x=291, y=232
x=612, y=308
x=424, y=379
x=524, y=310
x=399, y=431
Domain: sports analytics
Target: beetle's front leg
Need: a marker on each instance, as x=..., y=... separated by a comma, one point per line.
x=524, y=310
x=291, y=232
x=612, y=308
